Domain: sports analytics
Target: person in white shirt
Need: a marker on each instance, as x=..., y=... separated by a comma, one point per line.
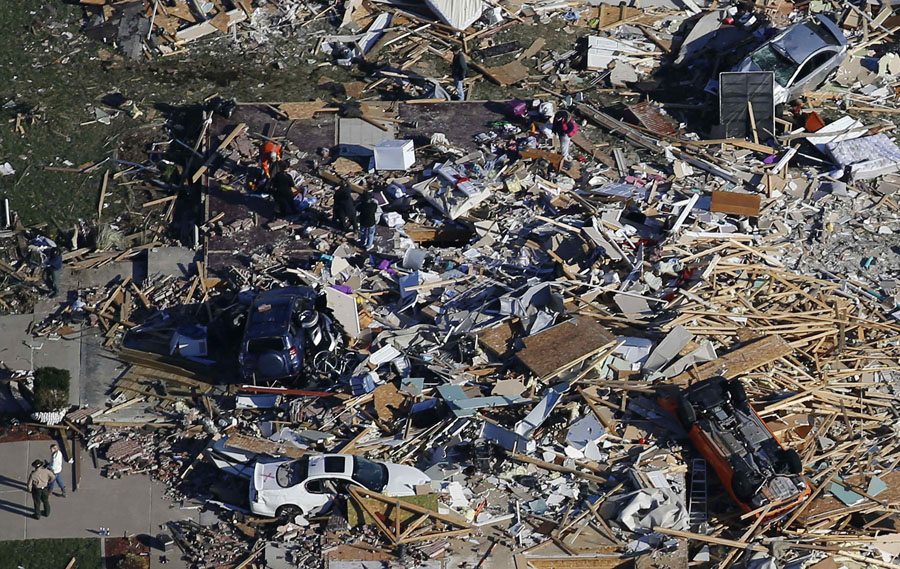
x=55, y=465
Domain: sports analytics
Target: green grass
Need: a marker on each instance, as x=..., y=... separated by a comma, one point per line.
x=50, y=553
x=62, y=73
x=54, y=68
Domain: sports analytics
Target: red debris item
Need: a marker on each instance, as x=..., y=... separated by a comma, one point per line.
x=642, y=441
x=813, y=122
x=729, y=20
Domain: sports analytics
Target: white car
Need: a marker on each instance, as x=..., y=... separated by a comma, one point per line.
x=307, y=486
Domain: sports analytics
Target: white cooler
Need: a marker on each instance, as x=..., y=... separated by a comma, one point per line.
x=394, y=155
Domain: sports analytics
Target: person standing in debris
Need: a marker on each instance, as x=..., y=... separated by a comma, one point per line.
x=55, y=464
x=269, y=154
x=344, y=213
x=283, y=190
x=460, y=68
x=368, y=208
x=38, y=484
x=52, y=268
x=565, y=128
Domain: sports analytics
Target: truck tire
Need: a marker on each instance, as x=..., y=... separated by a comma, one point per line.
x=737, y=392
x=271, y=364
x=744, y=486
x=288, y=512
x=792, y=460
x=686, y=413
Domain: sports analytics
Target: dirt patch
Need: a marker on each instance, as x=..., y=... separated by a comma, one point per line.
x=18, y=434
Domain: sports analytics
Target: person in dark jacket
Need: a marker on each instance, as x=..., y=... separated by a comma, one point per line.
x=52, y=269
x=283, y=189
x=344, y=209
x=460, y=68
x=367, y=220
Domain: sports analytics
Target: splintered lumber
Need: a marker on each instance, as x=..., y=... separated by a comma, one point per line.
x=358, y=516
x=398, y=535
x=609, y=561
x=205, y=28
x=564, y=346
x=304, y=110
x=102, y=193
x=709, y=539
x=163, y=364
x=259, y=445
x=222, y=146
x=519, y=457
x=742, y=360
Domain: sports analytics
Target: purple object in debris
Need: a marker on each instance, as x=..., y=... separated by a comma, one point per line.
x=384, y=264
x=343, y=288
x=771, y=159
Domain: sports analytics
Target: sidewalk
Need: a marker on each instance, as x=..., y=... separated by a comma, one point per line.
x=133, y=504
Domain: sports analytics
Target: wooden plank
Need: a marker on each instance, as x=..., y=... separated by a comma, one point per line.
x=152, y=203
x=735, y=203
x=260, y=445
x=709, y=539
x=205, y=28
x=740, y=361
x=555, y=467
x=740, y=143
x=76, y=465
x=102, y=193
x=610, y=561
x=564, y=345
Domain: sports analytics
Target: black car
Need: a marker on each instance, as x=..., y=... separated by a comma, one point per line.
x=274, y=343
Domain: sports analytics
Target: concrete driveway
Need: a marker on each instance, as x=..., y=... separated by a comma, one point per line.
x=132, y=504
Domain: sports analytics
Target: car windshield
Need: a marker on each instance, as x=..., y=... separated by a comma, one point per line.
x=263, y=345
x=767, y=59
x=290, y=473
x=370, y=474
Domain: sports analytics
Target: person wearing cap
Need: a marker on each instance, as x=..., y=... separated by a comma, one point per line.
x=39, y=484
x=55, y=464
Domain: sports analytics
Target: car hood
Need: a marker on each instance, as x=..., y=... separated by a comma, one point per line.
x=402, y=480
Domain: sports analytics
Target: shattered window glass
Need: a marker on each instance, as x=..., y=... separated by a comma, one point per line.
x=289, y=473
x=767, y=59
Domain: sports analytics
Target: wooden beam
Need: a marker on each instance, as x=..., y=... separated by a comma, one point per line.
x=102, y=193
x=709, y=539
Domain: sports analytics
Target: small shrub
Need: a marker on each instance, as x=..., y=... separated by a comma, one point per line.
x=51, y=388
x=132, y=561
